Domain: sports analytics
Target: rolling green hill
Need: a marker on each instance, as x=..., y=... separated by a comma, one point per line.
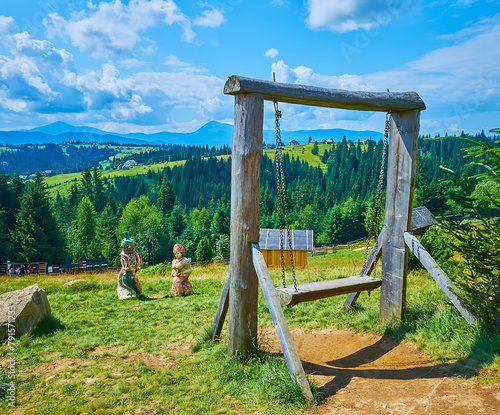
x=307, y=155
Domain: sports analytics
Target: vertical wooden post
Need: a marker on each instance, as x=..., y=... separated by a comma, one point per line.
x=400, y=184
x=245, y=223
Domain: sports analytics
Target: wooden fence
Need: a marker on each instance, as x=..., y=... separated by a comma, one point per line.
x=323, y=250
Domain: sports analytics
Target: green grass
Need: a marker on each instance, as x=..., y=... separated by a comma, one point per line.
x=62, y=182
x=308, y=156
x=115, y=357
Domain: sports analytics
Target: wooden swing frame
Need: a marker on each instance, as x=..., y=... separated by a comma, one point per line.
x=247, y=266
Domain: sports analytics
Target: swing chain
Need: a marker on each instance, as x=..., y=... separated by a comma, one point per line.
x=280, y=179
x=377, y=208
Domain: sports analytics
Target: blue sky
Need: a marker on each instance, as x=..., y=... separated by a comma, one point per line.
x=160, y=65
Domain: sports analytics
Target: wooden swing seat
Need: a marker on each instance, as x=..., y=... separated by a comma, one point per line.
x=322, y=289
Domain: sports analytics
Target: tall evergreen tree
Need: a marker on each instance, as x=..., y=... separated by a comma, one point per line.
x=5, y=243
x=83, y=234
x=166, y=198
x=98, y=191
x=86, y=185
x=176, y=223
x=37, y=235
x=110, y=245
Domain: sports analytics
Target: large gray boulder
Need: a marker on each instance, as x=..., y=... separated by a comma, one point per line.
x=24, y=308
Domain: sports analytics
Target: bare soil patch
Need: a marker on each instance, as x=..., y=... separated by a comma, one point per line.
x=153, y=361
x=369, y=374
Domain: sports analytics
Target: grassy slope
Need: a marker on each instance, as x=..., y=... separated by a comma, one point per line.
x=113, y=344
x=308, y=156
x=62, y=183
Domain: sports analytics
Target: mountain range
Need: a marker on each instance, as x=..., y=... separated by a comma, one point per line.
x=213, y=134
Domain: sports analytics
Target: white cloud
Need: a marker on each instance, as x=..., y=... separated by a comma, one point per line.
x=36, y=74
x=210, y=18
x=40, y=83
x=130, y=109
x=173, y=60
x=132, y=63
x=115, y=28
x=7, y=24
x=281, y=70
x=347, y=15
x=271, y=53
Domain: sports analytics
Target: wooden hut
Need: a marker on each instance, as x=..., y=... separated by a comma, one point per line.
x=421, y=220
x=301, y=241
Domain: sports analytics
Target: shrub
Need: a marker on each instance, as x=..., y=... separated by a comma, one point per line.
x=439, y=243
x=204, y=251
x=223, y=246
x=478, y=236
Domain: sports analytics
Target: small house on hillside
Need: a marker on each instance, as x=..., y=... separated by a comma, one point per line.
x=47, y=173
x=293, y=143
x=301, y=241
x=327, y=141
x=130, y=163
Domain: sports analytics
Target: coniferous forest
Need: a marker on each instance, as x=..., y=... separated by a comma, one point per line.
x=190, y=203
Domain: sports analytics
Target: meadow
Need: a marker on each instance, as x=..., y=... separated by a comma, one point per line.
x=307, y=155
x=99, y=355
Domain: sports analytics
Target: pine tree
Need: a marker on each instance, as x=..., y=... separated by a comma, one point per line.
x=166, y=198
x=315, y=149
x=86, y=185
x=98, y=191
x=5, y=243
x=83, y=232
x=176, y=223
x=37, y=233
x=73, y=202
x=110, y=246
x=204, y=251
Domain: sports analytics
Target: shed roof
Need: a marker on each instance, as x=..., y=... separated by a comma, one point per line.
x=302, y=240
x=421, y=217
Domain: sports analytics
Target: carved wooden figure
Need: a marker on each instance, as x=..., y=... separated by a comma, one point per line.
x=128, y=282
x=181, y=270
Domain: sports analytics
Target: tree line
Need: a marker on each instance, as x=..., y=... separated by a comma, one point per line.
x=190, y=203
x=27, y=159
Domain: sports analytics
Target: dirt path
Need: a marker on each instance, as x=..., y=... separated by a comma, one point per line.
x=368, y=374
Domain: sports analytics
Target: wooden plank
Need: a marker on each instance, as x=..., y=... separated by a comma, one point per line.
x=374, y=255
x=245, y=223
x=220, y=314
x=439, y=275
x=399, y=198
x=322, y=289
x=323, y=97
x=285, y=337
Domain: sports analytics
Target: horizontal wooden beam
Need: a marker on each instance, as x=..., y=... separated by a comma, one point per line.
x=323, y=97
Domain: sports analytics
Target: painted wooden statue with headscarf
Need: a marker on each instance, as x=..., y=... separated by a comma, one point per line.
x=128, y=282
x=181, y=270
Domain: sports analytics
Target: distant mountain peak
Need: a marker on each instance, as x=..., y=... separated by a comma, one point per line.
x=213, y=134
